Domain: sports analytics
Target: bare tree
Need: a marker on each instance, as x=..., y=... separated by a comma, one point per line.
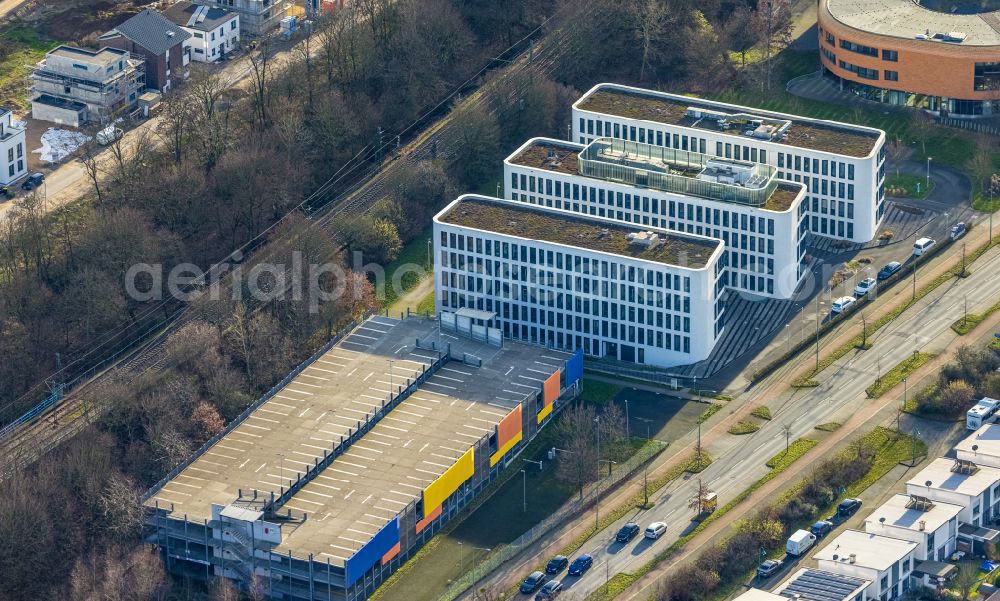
x=697, y=503
x=896, y=150
x=576, y=432
x=122, y=506
x=91, y=165
x=774, y=21
x=260, y=60
x=651, y=18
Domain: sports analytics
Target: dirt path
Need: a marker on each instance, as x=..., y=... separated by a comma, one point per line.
x=412, y=299
x=643, y=588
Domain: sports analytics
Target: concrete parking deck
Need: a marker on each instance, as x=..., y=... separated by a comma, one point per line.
x=415, y=444
x=282, y=438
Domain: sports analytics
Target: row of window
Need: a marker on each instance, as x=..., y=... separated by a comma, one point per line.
x=643, y=135
x=816, y=166
x=862, y=72
x=887, y=55
x=515, y=319
x=20, y=152
x=574, y=263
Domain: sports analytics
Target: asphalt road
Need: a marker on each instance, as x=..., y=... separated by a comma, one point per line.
x=740, y=460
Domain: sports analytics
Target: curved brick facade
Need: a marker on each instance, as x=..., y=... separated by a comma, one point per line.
x=926, y=73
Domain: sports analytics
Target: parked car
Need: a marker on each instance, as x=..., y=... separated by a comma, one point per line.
x=655, y=530
x=888, y=270
x=549, y=591
x=822, y=528
x=769, y=568
x=848, y=507
x=923, y=245
x=958, y=230
x=864, y=287
x=557, y=564
x=580, y=565
x=34, y=180
x=841, y=304
x=627, y=532
x=532, y=582
x=800, y=542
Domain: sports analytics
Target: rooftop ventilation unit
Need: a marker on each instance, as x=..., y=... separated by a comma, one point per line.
x=644, y=239
x=700, y=113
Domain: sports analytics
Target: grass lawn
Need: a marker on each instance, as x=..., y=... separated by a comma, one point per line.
x=597, y=392
x=414, y=253
x=906, y=185
x=968, y=323
x=761, y=412
x=21, y=47
x=828, y=427
x=713, y=408
x=426, y=306
x=895, y=375
x=744, y=427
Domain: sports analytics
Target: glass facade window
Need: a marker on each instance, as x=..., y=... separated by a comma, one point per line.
x=890, y=75
x=987, y=77
x=859, y=48
x=890, y=55
x=862, y=72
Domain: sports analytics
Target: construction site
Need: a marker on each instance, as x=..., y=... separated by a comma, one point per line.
x=327, y=484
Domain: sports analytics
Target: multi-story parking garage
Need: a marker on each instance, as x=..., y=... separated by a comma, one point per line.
x=841, y=165
x=327, y=484
x=938, y=55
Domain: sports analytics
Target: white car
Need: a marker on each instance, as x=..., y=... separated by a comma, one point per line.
x=841, y=304
x=656, y=530
x=923, y=245
x=864, y=287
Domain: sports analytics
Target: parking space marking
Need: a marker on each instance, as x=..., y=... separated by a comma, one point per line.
x=217, y=454
x=312, y=446
x=258, y=427
x=343, y=472
x=263, y=410
x=264, y=419
x=441, y=385
x=299, y=391
x=315, y=483
x=198, y=469
x=231, y=448
x=299, y=383
x=457, y=371
x=529, y=378
x=439, y=376
x=326, y=371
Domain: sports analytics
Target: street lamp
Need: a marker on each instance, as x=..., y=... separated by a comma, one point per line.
x=597, y=499
x=646, y=421
x=818, y=303
x=929, y=173
x=524, y=491
x=628, y=435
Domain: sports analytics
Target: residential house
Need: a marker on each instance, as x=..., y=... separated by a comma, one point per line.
x=884, y=561
x=164, y=46
x=73, y=86
x=933, y=525
x=257, y=17
x=982, y=447
x=13, y=162
x=975, y=488
x=808, y=584
x=215, y=32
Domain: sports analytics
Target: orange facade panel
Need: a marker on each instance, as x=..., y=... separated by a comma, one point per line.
x=550, y=390
x=392, y=553
x=427, y=520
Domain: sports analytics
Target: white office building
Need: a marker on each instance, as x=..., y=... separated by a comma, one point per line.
x=759, y=217
x=842, y=165
x=554, y=277
x=885, y=562
x=13, y=161
x=974, y=487
x=933, y=525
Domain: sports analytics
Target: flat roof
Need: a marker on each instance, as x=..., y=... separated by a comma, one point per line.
x=986, y=440
x=671, y=109
x=378, y=476
x=906, y=18
x=349, y=501
x=559, y=156
x=817, y=585
x=898, y=511
x=756, y=594
x=512, y=218
x=279, y=440
x=104, y=55
x=870, y=550
x=939, y=473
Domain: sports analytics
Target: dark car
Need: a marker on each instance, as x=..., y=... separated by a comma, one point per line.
x=532, y=582
x=821, y=528
x=769, y=568
x=889, y=269
x=627, y=533
x=580, y=565
x=34, y=180
x=557, y=564
x=848, y=507
x=549, y=591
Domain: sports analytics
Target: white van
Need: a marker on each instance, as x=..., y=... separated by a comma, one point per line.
x=800, y=542
x=923, y=245
x=841, y=304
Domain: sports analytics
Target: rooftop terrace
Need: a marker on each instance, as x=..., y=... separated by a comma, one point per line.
x=561, y=227
x=677, y=171
x=647, y=105
x=906, y=19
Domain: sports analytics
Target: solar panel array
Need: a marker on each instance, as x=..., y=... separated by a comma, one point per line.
x=815, y=585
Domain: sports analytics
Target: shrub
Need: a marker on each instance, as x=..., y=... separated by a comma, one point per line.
x=744, y=427
x=761, y=412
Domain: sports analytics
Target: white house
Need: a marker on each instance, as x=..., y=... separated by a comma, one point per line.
x=808, y=584
x=215, y=31
x=884, y=561
x=13, y=160
x=638, y=294
x=975, y=488
x=760, y=218
x=982, y=447
x=933, y=525
x=842, y=165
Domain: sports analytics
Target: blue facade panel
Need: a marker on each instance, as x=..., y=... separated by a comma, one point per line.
x=368, y=555
x=574, y=368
